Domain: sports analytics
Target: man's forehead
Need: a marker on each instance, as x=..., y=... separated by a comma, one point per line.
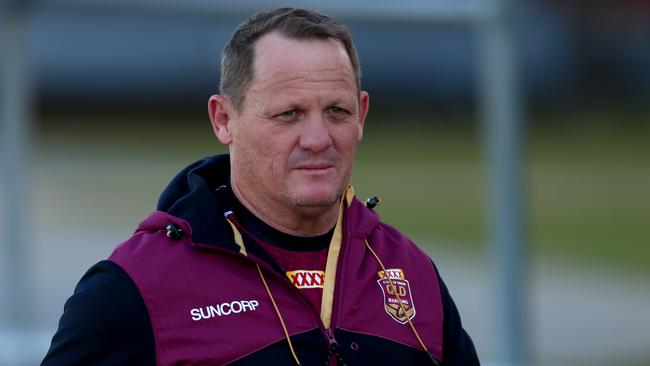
x=276, y=41
x=276, y=54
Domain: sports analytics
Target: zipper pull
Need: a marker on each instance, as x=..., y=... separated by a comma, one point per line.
x=333, y=347
x=333, y=344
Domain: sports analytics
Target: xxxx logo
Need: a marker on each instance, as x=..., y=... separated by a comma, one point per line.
x=307, y=279
x=396, y=289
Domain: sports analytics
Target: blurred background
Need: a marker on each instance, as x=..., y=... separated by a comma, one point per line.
x=520, y=162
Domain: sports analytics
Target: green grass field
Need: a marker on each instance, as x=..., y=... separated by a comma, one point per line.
x=588, y=188
x=587, y=182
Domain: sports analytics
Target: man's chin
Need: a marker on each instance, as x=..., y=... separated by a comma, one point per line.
x=316, y=200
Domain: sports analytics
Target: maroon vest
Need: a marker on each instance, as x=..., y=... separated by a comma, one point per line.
x=208, y=305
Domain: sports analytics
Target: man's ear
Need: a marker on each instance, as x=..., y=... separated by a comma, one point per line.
x=364, y=104
x=221, y=113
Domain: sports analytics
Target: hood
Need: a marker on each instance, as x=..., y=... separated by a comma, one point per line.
x=194, y=195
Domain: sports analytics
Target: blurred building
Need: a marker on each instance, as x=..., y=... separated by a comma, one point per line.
x=85, y=57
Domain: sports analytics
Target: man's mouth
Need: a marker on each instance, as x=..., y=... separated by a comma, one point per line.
x=316, y=168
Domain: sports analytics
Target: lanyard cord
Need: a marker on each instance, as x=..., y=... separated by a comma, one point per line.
x=239, y=241
x=399, y=300
x=277, y=311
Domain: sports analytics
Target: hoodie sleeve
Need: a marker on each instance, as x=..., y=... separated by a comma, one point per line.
x=105, y=322
x=457, y=346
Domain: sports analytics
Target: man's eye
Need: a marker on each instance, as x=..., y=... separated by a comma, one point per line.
x=337, y=110
x=288, y=114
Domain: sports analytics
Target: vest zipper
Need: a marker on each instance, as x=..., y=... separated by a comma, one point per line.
x=333, y=348
x=333, y=345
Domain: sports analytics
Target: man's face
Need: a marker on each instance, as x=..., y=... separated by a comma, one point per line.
x=293, y=141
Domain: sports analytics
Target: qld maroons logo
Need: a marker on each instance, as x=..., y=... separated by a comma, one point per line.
x=400, y=290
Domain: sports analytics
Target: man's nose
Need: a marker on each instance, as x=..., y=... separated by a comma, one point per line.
x=315, y=133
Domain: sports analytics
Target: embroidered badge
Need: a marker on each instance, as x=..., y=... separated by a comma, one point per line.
x=307, y=279
x=400, y=290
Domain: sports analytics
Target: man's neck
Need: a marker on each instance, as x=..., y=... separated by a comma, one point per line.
x=269, y=235
x=299, y=221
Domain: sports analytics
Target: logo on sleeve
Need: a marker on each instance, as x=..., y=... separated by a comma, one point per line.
x=306, y=279
x=396, y=289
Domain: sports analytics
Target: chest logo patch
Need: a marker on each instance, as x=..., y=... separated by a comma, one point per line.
x=306, y=279
x=396, y=289
x=224, y=309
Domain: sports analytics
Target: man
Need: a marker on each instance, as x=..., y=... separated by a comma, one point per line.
x=264, y=256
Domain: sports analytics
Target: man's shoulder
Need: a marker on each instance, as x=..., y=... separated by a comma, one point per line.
x=156, y=230
x=111, y=294
x=105, y=281
x=105, y=302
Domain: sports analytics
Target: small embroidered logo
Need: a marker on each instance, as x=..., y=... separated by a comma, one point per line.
x=395, y=288
x=306, y=279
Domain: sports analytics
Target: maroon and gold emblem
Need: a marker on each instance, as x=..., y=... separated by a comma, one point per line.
x=396, y=289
